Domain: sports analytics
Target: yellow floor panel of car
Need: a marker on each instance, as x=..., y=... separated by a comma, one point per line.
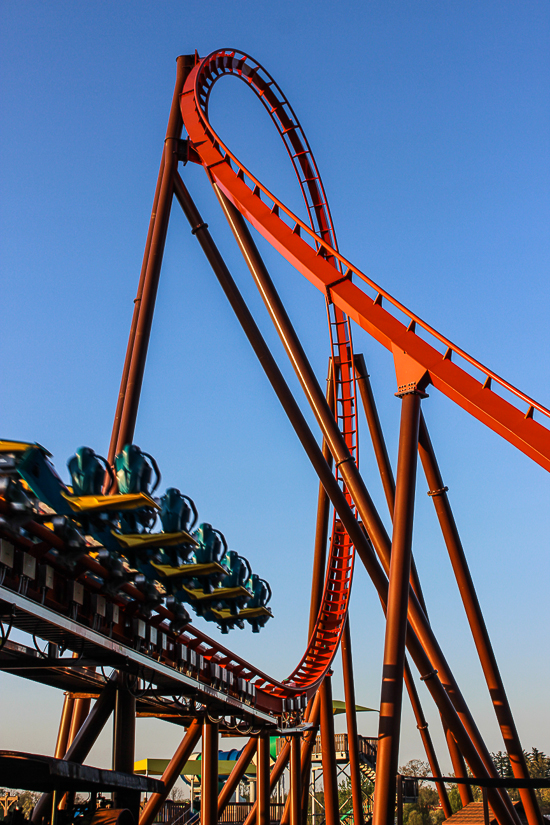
x=218, y=593
x=253, y=612
x=188, y=571
x=127, y=501
x=135, y=540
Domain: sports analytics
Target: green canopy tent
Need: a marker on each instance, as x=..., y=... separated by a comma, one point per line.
x=340, y=707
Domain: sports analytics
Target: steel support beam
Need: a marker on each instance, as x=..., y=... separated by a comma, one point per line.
x=236, y=775
x=307, y=741
x=351, y=719
x=328, y=754
x=280, y=764
x=124, y=740
x=422, y=726
x=380, y=451
x=462, y=725
x=172, y=771
x=438, y=494
x=459, y=766
x=85, y=738
x=388, y=482
x=375, y=429
x=209, y=773
x=144, y=303
x=396, y=615
x=64, y=726
x=295, y=781
x=81, y=709
x=263, y=793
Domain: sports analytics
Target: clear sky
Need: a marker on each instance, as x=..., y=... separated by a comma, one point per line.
x=430, y=125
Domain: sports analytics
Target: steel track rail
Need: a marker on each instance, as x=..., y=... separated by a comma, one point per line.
x=479, y=390
x=41, y=621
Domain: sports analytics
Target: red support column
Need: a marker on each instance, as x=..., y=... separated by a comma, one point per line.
x=321, y=527
x=173, y=770
x=438, y=493
x=124, y=738
x=275, y=775
x=81, y=709
x=209, y=775
x=237, y=774
x=396, y=621
x=422, y=726
x=328, y=754
x=459, y=767
x=295, y=783
x=351, y=717
x=144, y=304
x=307, y=741
x=84, y=740
x=64, y=726
x=263, y=793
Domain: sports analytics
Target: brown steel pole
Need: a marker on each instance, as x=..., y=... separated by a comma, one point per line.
x=351, y=719
x=237, y=774
x=64, y=726
x=137, y=305
x=386, y=474
x=380, y=450
x=459, y=768
x=172, y=771
x=80, y=712
x=396, y=615
x=85, y=739
x=81, y=708
x=328, y=754
x=124, y=740
x=308, y=740
x=132, y=376
x=263, y=793
x=438, y=493
x=422, y=726
x=307, y=748
x=209, y=773
x=419, y=651
x=276, y=773
x=375, y=430
x=295, y=777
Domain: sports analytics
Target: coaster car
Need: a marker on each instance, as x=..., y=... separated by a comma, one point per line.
x=256, y=612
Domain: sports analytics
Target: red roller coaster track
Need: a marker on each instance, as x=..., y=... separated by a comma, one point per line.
x=314, y=255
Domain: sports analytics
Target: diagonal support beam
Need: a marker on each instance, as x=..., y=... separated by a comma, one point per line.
x=85, y=739
x=144, y=304
x=351, y=718
x=173, y=770
x=438, y=494
x=236, y=775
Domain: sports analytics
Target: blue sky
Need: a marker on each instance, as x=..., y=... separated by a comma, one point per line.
x=430, y=125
